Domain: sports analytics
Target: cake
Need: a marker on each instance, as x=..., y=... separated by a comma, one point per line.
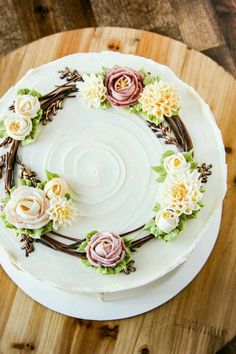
x=114, y=164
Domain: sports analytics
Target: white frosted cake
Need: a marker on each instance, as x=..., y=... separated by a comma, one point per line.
x=112, y=170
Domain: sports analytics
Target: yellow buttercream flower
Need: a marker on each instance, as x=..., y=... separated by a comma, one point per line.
x=159, y=99
x=61, y=211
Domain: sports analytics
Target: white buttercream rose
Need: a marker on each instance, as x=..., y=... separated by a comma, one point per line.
x=167, y=220
x=18, y=127
x=27, y=105
x=27, y=208
x=176, y=164
x=56, y=187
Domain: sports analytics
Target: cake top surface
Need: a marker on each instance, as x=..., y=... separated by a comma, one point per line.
x=105, y=156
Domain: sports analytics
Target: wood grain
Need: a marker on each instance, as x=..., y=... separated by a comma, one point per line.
x=199, y=320
x=205, y=25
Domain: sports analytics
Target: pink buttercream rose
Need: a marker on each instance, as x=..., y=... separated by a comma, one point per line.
x=105, y=249
x=124, y=86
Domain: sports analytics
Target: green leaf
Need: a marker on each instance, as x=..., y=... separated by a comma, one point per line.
x=6, y=199
x=188, y=155
x=201, y=204
x=148, y=77
x=68, y=196
x=173, y=234
x=202, y=190
x=105, y=104
x=161, y=179
x=51, y=175
x=194, y=166
x=23, y=91
x=157, y=207
x=90, y=234
x=42, y=184
x=154, y=119
x=167, y=154
x=38, y=232
x=26, y=91
x=2, y=129
x=127, y=240
x=25, y=182
x=83, y=246
x=137, y=108
x=34, y=132
x=149, y=225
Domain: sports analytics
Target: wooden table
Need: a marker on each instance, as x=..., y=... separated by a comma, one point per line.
x=201, y=319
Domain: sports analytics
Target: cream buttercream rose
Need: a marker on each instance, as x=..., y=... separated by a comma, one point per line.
x=18, y=127
x=105, y=249
x=27, y=105
x=176, y=164
x=56, y=187
x=27, y=208
x=167, y=220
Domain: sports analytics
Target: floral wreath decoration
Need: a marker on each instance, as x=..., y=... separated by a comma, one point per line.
x=36, y=209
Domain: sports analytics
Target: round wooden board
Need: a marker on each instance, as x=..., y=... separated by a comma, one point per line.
x=201, y=319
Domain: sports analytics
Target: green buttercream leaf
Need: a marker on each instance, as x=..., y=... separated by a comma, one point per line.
x=90, y=234
x=166, y=154
x=161, y=179
x=148, y=77
x=105, y=104
x=2, y=129
x=154, y=119
x=188, y=155
x=42, y=184
x=157, y=207
x=137, y=108
x=26, y=91
x=25, y=182
x=83, y=246
x=173, y=234
x=51, y=175
x=5, y=199
x=127, y=240
x=68, y=196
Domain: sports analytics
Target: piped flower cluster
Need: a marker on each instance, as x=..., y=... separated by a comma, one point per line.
x=106, y=252
x=139, y=91
x=179, y=197
x=22, y=123
x=37, y=210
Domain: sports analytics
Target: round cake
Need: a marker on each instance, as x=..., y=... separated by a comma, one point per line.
x=105, y=159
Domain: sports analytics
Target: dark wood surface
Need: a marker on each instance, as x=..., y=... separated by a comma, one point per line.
x=205, y=25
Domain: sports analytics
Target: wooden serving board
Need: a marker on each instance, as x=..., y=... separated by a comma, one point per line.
x=199, y=320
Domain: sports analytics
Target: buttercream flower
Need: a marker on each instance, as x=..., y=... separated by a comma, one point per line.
x=27, y=105
x=92, y=90
x=124, y=86
x=56, y=187
x=183, y=195
x=167, y=220
x=105, y=249
x=159, y=99
x=18, y=127
x=176, y=164
x=27, y=208
x=61, y=211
